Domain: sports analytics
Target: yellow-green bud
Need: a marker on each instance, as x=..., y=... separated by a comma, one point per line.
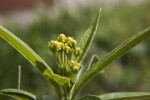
x=67, y=50
x=77, y=51
x=72, y=42
x=72, y=63
x=62, y=38
x=60, y=46
x=55, y=46
x=74, y=66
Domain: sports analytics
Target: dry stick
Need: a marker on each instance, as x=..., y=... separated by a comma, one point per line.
x=19, y=78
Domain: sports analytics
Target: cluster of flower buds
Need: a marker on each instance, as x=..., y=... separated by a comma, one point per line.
x=66, y=44
x=66, y=49
x=74, y=66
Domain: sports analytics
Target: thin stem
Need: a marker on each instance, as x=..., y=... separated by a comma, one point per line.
x=54, y=55
x=60, y=62
x=63, y=57
x=72, y=55
x=66, y=60
x=65, y=93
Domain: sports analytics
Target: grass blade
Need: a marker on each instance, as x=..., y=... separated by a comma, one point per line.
x=19, y=94
x=111, y=56
x=87, y=38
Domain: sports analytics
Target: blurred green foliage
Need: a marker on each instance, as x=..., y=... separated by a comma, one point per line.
x=117, y=23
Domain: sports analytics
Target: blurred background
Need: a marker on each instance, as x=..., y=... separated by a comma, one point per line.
x=39, y=21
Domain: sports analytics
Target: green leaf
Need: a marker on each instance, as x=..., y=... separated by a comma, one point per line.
x=118, y=96
x=30, y=55
x=19, y=94
x=125, y=96
x=86, y=67
x=87, y=38
x=24, y=49
x=59, y=79
x=92, y=60
x=111, y=56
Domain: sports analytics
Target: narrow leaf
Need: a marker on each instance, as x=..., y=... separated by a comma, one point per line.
x=125, y=96
x=92, y=59
x=24, y=49
x=111, y=56
x=87, y=38
x=19, y=94
x=118, y=96
x=29, y=54
x=86, y=67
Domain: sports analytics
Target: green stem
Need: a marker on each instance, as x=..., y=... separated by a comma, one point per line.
x=63, y=57
x=54, y=55
x=72, y=55
x=65, y=93
x=66, y=98
x=66, y=60
x=59, y=55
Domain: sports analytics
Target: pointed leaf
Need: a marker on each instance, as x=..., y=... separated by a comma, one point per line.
x=111, y=56
x=118, y=96
x=28, y=53
x=19, y=94
x=125, y=96
x=24, y=49
x=92, y=59
x=87, y=38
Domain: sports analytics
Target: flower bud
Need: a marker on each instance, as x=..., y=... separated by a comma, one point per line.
x=62, y=38
x=72, y=64
x=77, y=51
x=60, y=46
x=55, y=46
x=72, y=42
x=67, y=50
